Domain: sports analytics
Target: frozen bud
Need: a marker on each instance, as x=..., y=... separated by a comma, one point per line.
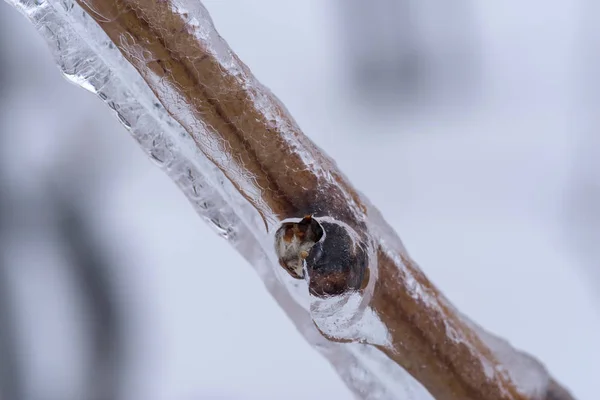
x=328, y=251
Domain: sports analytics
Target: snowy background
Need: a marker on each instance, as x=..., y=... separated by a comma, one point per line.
x=472, y=128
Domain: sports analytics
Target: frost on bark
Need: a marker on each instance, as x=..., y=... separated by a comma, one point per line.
x=322, y=250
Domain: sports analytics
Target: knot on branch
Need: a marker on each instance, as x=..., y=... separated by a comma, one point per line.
x=326, y=251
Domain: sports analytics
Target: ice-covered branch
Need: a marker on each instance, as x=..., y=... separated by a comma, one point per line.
x=325, y=254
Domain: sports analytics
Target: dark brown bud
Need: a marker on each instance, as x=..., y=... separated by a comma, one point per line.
x=333, y=258
x=337, y=263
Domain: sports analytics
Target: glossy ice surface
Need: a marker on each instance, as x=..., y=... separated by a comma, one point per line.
x=89, y=59
x=211, y=194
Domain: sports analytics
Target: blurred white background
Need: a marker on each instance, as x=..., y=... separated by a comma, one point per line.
x=471, y=125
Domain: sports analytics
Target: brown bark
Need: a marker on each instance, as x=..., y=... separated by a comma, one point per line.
x=249, y=145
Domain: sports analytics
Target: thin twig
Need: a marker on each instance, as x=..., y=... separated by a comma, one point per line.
x=249, y=135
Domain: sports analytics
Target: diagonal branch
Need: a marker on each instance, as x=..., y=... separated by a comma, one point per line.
x=249, y=135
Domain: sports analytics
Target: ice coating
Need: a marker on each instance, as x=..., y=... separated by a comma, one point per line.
x=243, y=130
x=89, y=59
x=247, y=168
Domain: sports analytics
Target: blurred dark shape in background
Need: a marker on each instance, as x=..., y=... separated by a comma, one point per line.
x=10, y=369
x=51, y=210
x=91, y=266
x=87, y=262
x=405, y=53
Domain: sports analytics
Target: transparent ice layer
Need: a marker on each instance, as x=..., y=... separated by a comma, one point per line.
x=89, y=59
